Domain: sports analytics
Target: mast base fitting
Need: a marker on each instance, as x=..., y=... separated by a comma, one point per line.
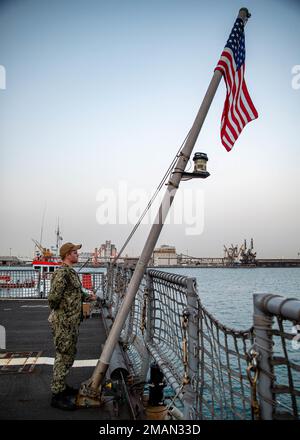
x=88, y=397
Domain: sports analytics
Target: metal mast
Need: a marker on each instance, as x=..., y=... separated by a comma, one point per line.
x=58, y=237
x=100, y=370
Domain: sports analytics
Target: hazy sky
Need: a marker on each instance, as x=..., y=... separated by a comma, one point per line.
x=99, y=96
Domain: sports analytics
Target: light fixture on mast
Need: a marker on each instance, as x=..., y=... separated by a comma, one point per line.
x=200, y=164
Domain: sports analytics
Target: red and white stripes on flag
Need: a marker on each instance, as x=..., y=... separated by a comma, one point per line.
x=238, y=108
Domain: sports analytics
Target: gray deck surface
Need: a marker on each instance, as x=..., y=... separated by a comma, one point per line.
x=26, y=396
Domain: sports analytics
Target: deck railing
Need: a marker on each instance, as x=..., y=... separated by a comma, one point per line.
x=212, y=371
x=36, y=284
x=277, y=348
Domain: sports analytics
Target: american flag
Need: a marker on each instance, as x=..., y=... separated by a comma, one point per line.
x=238, y=108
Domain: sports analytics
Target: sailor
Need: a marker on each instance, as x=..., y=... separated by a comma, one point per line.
x=65, y=300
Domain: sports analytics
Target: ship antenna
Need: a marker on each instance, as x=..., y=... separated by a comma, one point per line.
x=58, y=237
x=43, y=220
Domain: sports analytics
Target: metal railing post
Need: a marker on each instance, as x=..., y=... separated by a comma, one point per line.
x=148, y=327
x=190, y=389
x=262, y=323
x=110, y=284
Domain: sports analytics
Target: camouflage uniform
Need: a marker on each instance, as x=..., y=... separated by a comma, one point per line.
x=65, y=299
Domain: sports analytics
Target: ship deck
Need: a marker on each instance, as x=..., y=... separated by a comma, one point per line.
x=25, y=394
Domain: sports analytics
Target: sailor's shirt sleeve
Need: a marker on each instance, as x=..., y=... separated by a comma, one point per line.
x=58, y=285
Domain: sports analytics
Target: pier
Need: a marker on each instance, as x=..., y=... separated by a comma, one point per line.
x=278, y=262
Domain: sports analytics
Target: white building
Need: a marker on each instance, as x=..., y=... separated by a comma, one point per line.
x=83, y=256
x=165, y=256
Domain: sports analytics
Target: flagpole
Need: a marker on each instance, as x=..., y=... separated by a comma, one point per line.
x=98, y=375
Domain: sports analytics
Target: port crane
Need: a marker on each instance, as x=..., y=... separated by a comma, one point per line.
x=242, y=255
x=247, y=255
x=232, y=253
x=45, y=253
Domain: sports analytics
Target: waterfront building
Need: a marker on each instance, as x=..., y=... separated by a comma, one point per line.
x=165, y=256
x=9, y=261
x=107, y=252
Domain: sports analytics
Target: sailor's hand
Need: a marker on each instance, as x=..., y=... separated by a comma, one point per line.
x=92, y=297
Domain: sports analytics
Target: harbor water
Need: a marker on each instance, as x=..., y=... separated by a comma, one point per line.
x=228, y=293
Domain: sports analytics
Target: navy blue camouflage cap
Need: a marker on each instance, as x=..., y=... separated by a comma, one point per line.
x=68, y=247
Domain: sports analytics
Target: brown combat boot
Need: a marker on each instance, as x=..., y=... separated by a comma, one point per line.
x=70, y=391
x=63, y=401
